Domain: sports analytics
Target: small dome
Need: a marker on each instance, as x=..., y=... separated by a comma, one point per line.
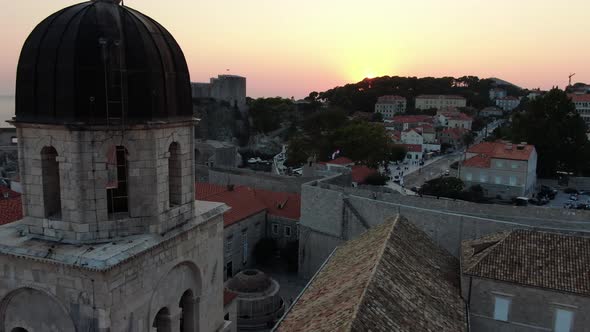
x=98, y=62
x=249, y=281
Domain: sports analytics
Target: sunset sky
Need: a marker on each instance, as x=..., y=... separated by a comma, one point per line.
x=290, y=48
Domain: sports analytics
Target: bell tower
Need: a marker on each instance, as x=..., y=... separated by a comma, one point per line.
x=112, y=238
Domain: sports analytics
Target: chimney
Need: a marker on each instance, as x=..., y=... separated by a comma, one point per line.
x=6, y=195
x=509, y=146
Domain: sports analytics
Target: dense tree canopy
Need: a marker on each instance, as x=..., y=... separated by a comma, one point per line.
x=552, y=124
x=267, y=114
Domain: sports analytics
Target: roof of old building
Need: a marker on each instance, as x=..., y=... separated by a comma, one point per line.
x=391, y=278
x=439, y=97
x=454, y=133
x=412, y=147
x=531, y=258
x=579, y=98
x=280, y=204
x=245, y=201
x=390, y=99
x=241, y=199
x=457, y=116
x=61, y=74
x=361, y=172
x=478, y=161
x=412, y=118
x=503, y=150
x=10, y=206
x=340, y=161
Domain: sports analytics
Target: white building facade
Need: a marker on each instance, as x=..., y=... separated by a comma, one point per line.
x=508, y=103
x=389, y=106
x=424, y=102
x=582, y=102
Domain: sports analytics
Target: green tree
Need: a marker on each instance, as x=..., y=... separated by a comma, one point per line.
x=557, y=131
x=443, y=187
x=468, y=139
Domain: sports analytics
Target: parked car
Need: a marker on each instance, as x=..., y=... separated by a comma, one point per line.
x=574, y=197
x=548, y=191
x=447, y=172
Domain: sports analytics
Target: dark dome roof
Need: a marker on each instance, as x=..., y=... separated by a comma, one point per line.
x=98, y=62
x=249, y=281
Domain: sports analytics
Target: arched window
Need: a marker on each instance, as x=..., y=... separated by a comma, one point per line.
x=174, y=175
x=162, y=321
x=51, y=183
x=18, y=329
x=187, y=316
x=117, y=191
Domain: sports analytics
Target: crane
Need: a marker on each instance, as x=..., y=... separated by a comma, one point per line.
x=570, y=77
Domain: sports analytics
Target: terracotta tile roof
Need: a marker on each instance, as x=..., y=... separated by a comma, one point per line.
x=280, y=204
x=503, y=150
x=242, y=201
x=439, y=97
x=412, y=119
x=245, y=201
x=391, y=278
x=228, y=297
x=338, y=161
x=11, y=208
x=457, y=116
x=531, y=258
x=412, y=147
x=390, y=99
x=579, y=98
x=478, y=161
x=361, y=172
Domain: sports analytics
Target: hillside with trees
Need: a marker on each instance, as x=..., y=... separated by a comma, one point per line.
x=363, y=95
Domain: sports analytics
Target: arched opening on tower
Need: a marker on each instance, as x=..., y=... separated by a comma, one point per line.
x=117, y=190
x=162, y=322
x=174, y=175
x=188, y=315
x=19, y=329
x=51, y=182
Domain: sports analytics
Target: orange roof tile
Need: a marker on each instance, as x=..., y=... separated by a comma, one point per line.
x=478, y=161
x=280, y=204
x=241, y=199
x=412, y=119
x=10, y=208
x=361, y=172
x=578, y=98
x=503, y=150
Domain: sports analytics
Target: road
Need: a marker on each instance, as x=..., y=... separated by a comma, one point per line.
x=431, y=171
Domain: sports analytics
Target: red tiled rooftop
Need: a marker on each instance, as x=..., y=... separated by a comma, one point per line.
x=457, y=116
x=280, y=204
x=439, y=97
x=478, y=161
x=245, y=201
x=455, y=133
x=361, y=172
x=241, y=199
x=338, y=161
x=10, y=208
x=579, y=98
x=502, y=150
x=412, y=147
x=412, y=119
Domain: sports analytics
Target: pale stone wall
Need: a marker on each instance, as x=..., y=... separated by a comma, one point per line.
x=82, y=158
x=278, y=228
x=239, y=237
x=44, y=295
x=531, y=309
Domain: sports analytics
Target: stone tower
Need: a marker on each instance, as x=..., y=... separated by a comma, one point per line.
x=112, y=238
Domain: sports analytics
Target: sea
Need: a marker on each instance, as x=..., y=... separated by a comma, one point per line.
x=6, y=110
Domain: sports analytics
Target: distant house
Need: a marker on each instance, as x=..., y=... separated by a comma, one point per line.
x=254, y=214
x=503, y=169
x=424, y=102
x=389, y=106
x=491, y=112
x=582, y=102
x=412, y=136
x=526, y=280
x=415, y=152
x=452, y=137
x=391, y=278
x=405, y=122
x=508, y=103
x=534, y=94
x=454, y=120
x=496, y=93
